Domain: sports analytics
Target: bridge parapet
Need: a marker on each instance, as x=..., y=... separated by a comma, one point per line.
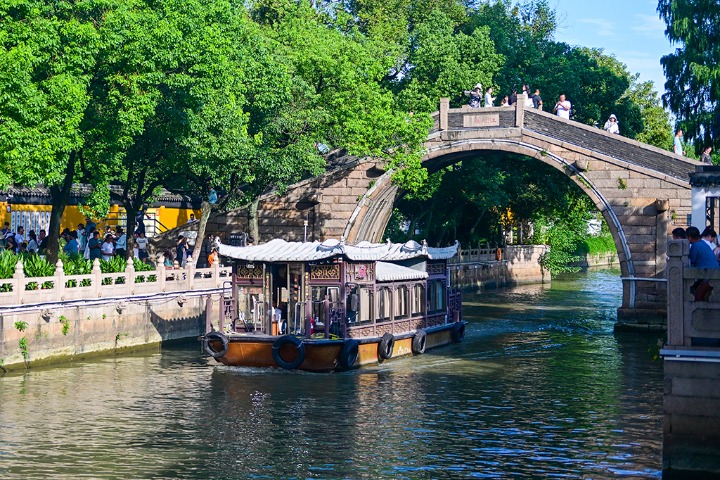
x=568, y=132
x=616, y=146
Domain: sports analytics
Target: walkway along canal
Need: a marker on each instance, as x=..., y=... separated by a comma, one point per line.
x=540, y=387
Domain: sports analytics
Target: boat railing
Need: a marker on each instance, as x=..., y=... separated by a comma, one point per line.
x=332, y=321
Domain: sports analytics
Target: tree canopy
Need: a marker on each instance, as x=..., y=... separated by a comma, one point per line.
x=248, y=95
x=692, y=89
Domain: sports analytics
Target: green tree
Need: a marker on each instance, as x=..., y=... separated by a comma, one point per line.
x=692, y=71
x=47, y=60
x=444, y=63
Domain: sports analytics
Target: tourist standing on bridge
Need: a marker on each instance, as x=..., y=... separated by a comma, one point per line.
x=94, y=245
x=611, y=126
x=489, y=99
x=701, y=255
x=181, y=250
x=108, y=248
x=562, y=108
x=42, y=241
x=475, y=96
x=537, y=100
x=71, y=247
x=529, y=100
x=706, y=158
x=512, y=99
x=677, y=144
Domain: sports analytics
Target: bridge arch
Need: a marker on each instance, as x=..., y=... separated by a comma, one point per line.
x=369, y=223
x=642, y=192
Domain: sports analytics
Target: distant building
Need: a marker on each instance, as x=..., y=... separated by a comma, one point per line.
x=30, y=208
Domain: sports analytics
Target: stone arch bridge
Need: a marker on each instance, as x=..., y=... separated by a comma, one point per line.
x=642, y=191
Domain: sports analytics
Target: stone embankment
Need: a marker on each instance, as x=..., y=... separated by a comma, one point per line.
x=59, y=318
x=475, y=269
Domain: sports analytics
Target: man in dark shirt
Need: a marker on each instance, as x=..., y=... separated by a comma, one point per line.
x=95, y=245
x=701, y=255
x=537, y=99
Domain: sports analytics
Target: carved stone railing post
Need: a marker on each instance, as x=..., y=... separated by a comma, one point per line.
x=60, y=282
x=96, y=279
x=130, y=275
x=444, y=107
x=520, y=110
x=216, y=273
x=677, y=251
x=190, y=268
x=19, y=277
x=162, y=276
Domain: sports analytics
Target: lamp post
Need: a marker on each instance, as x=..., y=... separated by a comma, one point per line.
x=305, y=225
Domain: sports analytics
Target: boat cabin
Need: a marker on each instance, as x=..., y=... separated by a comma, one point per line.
x=334, y=290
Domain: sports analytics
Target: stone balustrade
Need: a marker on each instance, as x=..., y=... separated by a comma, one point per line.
x=22, y=290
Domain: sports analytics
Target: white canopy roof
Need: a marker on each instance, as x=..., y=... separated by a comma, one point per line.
x=277, y=250
x=389, y=272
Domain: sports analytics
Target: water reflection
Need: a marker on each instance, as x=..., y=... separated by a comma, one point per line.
x=541, y=387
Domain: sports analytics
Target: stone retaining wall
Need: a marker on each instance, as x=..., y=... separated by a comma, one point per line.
x=99, y=328
x=519, y=265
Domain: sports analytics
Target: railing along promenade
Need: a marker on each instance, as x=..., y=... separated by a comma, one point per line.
x=97, y=286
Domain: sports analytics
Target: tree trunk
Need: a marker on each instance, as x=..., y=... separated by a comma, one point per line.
x=204, y=216
x=60, y=197
x=521, y=232
x=130, y=213
x=253, y=220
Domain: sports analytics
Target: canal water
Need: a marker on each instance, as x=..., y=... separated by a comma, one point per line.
x=540, y=388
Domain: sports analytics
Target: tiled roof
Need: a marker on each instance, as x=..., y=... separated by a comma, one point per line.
x=81, y=190
x=278, y=250
x=705, y=176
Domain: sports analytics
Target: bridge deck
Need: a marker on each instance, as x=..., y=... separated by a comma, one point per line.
x=568, y=132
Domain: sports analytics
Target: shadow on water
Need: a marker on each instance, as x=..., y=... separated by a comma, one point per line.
x=541, y=387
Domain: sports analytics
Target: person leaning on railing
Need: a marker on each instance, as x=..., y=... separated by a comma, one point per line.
x=700, y=256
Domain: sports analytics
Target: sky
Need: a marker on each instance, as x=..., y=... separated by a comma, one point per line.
x=631, y=30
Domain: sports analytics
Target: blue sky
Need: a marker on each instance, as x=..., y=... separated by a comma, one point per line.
x=628, y=29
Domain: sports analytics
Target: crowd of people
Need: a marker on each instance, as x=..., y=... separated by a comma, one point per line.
x=704, y=253
x=20, y=242
x=88, y=242
x=562, y=109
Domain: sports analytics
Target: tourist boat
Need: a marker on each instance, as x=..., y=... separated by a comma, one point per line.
x=332, y=306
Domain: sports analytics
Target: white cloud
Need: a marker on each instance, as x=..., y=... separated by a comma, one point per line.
x=648, y=25
x=603, y=28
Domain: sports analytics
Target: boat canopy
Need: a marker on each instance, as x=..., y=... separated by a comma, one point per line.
x=390, y=272
x=278, y=250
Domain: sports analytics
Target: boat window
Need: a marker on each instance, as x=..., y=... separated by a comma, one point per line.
x=359, y=305
x=383, y=314
x=436, y=295
x=418, y=299
x=401, y=302
x=365, y=315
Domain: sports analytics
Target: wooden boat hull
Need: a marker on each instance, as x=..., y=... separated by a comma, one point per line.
x=318, y=355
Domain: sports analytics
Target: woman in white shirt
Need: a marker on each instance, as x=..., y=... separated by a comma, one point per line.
x=108, y=248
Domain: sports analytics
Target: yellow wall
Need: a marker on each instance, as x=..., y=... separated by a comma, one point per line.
x=168, y=216
x=174, y=217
